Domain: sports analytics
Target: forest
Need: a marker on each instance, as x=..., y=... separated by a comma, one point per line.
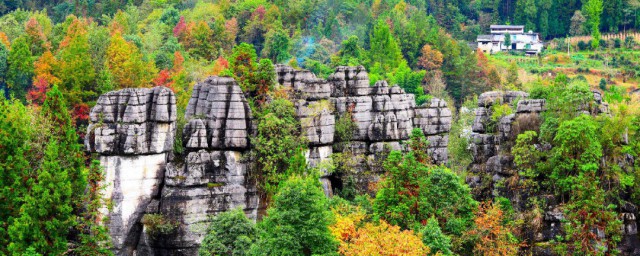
x=563, y=179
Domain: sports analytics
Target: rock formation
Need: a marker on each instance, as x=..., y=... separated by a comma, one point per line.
x=133, y=131
x=491, y=142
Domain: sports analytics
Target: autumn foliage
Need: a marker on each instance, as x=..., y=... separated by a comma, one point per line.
x=358, y=237
x=491, y=234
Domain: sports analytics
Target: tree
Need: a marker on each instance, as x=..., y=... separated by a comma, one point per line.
x=412, y=192
x=126, y=65
x=277, y=142
x=4, y=67
x=243, y=65
x=577, y=24
x=297, y=223
x=350, y=54
x=45, y=216
x=20, y=70
x=576, y=148
x=507, y=41
x=593, y=10
x=357, y=237
x=44, y=77
x=265, y=80
x=512, y=76
x=432, y=236
x=35, y=37
x=202, y=44
x=384, y=48
x=229, y=233
x=492, y=236
x=430, y=59
x=77, y=73
x=277, y=46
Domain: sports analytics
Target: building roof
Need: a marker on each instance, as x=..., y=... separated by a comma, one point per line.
x=485, y=37
x=507, y=27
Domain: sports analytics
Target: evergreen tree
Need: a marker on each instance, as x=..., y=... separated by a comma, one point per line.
x=243, y=65
x=593, y=9
x=230, y=233
x=277, y=46
x=432, y=236
x=20, y=68
x=297, y=223
x=384, y=48
x=46, y=215
x=4, y=67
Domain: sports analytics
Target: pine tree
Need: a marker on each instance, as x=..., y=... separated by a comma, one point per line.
x=384, y=48
x=46, y=215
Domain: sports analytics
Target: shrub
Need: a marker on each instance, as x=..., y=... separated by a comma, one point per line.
x=157, y=224
x=345, y=127
x=617, y=43
x=491, y=235
x=603, y=84
x=582, y=45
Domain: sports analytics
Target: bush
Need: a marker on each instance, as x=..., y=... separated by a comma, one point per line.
x=617, y=43
x=345, y=127
x=582, y=45
x=157, y=224
x=603, y=84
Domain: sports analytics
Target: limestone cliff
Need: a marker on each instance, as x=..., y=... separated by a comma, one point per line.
x=133, y=132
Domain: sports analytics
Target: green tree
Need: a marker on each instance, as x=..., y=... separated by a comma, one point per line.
x=229, y=233
x=264, y=80
x=46, y=215
x=507, y=40
x=4, y=67
x=277, y=46
x=277, y=141
x=297, y=223
x=20, y=70
x=76, y=70
x=432, y=236
x=243, y=65
x=384, y=48
x=412, y=192
x=593, y=9
x=576, y=150
x=350, y=54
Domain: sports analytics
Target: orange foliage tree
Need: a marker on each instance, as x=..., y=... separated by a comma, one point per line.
x=357, y=237
x=44, y=77
x=492, y=236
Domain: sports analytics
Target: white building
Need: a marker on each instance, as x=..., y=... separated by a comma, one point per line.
x=528, y=42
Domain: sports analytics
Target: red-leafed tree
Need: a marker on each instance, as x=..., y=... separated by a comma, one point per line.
x=180, y=28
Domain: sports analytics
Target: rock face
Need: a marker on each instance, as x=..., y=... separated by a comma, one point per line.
x=133, y=131
x=384, y=116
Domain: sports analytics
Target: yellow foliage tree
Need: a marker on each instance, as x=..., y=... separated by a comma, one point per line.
x=126, y=64
x=359, y=238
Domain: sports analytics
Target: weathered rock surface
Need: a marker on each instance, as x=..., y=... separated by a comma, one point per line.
x=132, y=130
x=133, y=122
